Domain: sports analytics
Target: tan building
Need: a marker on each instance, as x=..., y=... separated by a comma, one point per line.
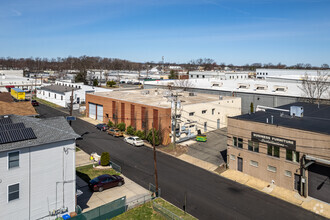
x=288, y=146
x=155, y=107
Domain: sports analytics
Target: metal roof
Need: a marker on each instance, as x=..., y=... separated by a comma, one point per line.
x=18, y=90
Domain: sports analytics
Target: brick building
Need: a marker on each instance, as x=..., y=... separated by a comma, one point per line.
x=289, y=146
x=144, y=109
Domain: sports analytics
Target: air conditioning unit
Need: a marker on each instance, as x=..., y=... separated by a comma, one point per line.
x=192, y=94
x=296, y=111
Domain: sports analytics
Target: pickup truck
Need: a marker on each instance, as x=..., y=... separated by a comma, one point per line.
x=115, y=132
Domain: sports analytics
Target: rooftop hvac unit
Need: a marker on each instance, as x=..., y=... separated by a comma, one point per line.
x=192, y=94
x=220, y=98
x=296, y=111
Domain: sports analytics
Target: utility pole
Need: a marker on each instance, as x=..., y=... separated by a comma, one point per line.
x=71, y=105
x=175, y=96
x=155, y=159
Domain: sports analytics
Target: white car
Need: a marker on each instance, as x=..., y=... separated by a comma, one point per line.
x=136, y=141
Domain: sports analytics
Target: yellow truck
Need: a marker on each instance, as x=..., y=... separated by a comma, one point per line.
x=17, y=93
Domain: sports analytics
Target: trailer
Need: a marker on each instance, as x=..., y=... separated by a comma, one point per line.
x=17, y=93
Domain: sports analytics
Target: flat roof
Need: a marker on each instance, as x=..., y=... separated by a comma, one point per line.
x=315, y=118
x=160, y=97
x=17, y=89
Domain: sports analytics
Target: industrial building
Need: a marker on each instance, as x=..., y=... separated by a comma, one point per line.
x=144, y=109
x=288, y=146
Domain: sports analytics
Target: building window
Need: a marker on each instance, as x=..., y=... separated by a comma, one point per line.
x=61, y=97
x=235, y=141
x=287, y=173
x=213, y=110
x=197, y=76
x=203, y=76
x=49, y=94
x=292, y=155
x=13, y=159
x=204, y=111
x=232, y=156
x=107, y=115
x=254, y=163
x=271, y=168
x=273, y=150
x=55, y=96
x=253, y=146
x=13, y=192
x=178, y=116
x=240, y=143
x=191, y=113
x=43, y=92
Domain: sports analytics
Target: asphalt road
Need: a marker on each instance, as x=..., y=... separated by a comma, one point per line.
x=209, y=196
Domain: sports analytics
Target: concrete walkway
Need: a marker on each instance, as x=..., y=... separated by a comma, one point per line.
x=311, y=204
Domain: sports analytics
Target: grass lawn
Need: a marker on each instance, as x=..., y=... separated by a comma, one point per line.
x=46, y=103
x=88, y=172
x=146, y=211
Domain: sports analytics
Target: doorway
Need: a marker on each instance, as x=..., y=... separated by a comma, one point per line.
x=240, y=164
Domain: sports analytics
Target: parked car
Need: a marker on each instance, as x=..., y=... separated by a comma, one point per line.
x=115, y=132
x=105, y=181
x=102, y=127
x=136, y=141
x=34, y=103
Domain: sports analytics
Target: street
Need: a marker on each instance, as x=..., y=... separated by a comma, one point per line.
x=209, y=196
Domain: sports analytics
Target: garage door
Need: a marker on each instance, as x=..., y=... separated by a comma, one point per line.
x=92, y=110
x=319, y=182
x=99, y=113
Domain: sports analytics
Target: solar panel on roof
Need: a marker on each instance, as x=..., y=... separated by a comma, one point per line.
x=1, y=127
x=4, y=121
x=16, y=135
x=14, y=126
x=4, y=137
x=28, y=133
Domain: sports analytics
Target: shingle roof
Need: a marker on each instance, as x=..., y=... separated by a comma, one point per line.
x=18, y=108
x=315, y=118
x=46, y=130
x=58, y=88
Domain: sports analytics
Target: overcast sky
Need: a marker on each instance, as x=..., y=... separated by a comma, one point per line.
x=229, y=31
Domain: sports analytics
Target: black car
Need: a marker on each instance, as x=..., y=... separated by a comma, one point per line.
x=105, y=181
x=102, y=127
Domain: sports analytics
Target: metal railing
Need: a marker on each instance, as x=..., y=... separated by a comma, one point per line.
x=115, y=166
x=165, y=212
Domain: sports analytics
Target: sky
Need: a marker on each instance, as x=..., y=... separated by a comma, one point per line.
x=229, y=31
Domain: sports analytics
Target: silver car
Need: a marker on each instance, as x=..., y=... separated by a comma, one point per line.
x=136, y=141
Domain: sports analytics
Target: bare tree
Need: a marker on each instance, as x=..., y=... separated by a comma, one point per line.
x=313, y=87
x=183, y=84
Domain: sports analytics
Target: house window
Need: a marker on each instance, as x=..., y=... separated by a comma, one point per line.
x=213, y=110
x=253, y=146
x=232, y=156
x=287, y=173
x=13, y=192
x=13, y=159
x=254, y=163
x=191, y=113
x=204, y=111
x=292, y=155
x=273, y=150
x=271, y=168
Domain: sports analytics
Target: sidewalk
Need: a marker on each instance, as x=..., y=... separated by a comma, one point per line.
x=311, y=204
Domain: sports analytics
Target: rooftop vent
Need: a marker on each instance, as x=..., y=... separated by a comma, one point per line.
x=145, y=92
x=296, y=111
x=192, y=94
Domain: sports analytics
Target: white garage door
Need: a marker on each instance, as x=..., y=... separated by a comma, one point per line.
x=92, y=110
x=99, y=113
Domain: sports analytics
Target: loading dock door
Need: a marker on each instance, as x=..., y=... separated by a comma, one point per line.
x=92, y=110
x=319, y=182
x=99, y=113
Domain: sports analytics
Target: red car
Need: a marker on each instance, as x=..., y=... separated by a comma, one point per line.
x=105, y=181
x=34, y=103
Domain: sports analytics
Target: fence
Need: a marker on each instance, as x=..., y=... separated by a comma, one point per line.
x=134, y=202
x=165, y=212
x=106, y=211
x=115, y=166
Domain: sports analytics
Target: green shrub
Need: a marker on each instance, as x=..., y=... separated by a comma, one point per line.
x=111, y=83
x=105, y=159
x=121, y=126
x=110, y=124
x=157, y=137
x=140, y=134
x=130, y=130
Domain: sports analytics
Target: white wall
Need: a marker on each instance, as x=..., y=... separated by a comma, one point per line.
x=40, y=168
x=56, y=98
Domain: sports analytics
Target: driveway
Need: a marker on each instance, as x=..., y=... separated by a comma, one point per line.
x=214, y=150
